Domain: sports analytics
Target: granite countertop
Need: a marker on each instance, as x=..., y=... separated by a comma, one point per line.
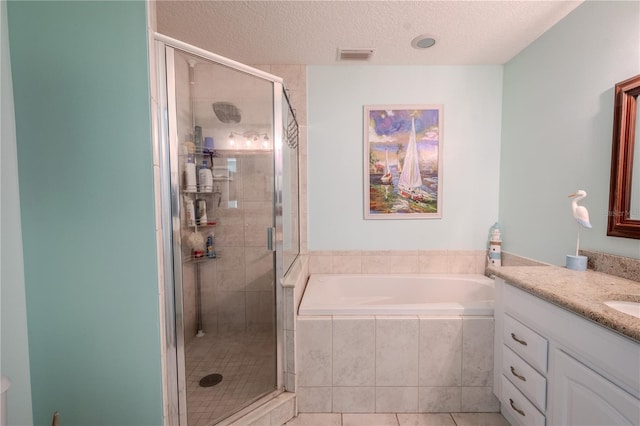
x=581, y=292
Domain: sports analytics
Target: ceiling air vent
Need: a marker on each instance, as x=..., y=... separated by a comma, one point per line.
x=355, y=54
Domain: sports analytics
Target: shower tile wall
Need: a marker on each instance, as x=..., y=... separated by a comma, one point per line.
x=237, y=288
x=295, y=80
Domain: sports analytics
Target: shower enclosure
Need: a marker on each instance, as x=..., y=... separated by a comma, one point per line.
x=229, y=190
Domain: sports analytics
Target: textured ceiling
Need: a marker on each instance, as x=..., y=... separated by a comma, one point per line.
x=310, y=32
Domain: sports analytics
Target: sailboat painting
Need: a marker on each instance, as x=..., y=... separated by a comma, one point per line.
x=403, y=161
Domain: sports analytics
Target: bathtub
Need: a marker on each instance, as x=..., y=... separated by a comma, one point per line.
x=419, y=294
x=395, y=343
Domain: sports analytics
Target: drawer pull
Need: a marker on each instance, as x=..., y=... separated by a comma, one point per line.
x=513, y=371
x=522, y=342
x=517, y=409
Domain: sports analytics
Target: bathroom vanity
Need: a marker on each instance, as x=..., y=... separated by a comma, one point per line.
x=563, y=357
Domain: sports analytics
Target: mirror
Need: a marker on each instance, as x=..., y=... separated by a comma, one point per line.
x=624, y=190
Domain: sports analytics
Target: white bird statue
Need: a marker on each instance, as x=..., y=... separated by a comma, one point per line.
x=580, y=213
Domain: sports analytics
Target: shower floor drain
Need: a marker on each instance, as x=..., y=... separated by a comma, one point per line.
x=210, y=380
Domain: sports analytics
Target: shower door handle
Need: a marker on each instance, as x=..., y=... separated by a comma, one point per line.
x=271, y=239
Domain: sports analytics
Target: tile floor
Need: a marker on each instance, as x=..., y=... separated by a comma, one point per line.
x=246, y=363
x=399, y=419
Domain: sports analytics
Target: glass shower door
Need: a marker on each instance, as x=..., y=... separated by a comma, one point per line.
x=221, y=126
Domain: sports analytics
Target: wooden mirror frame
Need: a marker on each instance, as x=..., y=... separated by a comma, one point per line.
x=624, y=130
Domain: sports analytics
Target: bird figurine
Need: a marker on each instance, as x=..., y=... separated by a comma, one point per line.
x=580, y=213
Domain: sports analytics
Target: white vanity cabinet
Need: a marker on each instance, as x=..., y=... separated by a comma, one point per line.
x=583, y=397
x=554, y=367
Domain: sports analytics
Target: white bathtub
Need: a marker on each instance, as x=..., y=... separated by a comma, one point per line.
x=419, y=294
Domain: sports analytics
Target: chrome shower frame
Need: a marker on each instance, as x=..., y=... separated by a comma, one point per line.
x=166, y=140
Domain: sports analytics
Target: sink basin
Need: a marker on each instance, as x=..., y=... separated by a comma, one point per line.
x=629, y=308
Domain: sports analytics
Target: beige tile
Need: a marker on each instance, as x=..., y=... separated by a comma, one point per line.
x=290, y=382
x=314, y=399
x=390, y=252
x=479, y=419
x=477, y=351
x=462, y=264
x=354, y=399
x=346, y=252
x=439, y=399
x=369, y=420
x=264, y=420
x=289, y=309
x=354, y=351
x=209, y=310
x=283, y=412
x=440, y=352
x=230, y=232
x=396, y=399
x=346, y=264
x=320, y=264
x=231, y=307
x=316, y=419
x=289, y=351
x=391, y=264
x=426, y=419
x=259, y=307
x=478, y=400
x=298, y=100
x=434, y=263
x=258, y=216
x=263, y=67
x=258, y=269
x=321, y=253
x=396, y=351
x=463, y=252
x=230, y=269
x=314, y=351
x=294, y=76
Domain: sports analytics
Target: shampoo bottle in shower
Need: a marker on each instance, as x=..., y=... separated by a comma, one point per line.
x=201, y=212
x=191, y=213
x=206, y=178
x=210, y=253
x=190, y=176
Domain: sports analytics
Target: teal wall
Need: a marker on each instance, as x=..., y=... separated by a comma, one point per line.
x=471, y=97
x=14, y=345
x=81, y=87
x=557, y=131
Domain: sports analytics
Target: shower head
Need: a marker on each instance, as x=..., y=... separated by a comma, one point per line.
x=226, y=112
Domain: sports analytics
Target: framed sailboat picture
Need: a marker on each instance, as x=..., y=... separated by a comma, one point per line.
x=403, y=161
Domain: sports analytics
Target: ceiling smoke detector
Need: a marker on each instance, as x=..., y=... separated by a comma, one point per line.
x=358, y=54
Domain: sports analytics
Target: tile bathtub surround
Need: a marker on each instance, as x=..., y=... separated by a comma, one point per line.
x=397, y=262
x=395, y=364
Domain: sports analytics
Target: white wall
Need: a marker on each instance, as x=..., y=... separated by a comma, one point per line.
x=557, y=131
x=471, y=96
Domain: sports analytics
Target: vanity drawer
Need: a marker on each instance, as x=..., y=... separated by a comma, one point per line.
x=531, y=383
x=523, y=411
x=525, y=342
